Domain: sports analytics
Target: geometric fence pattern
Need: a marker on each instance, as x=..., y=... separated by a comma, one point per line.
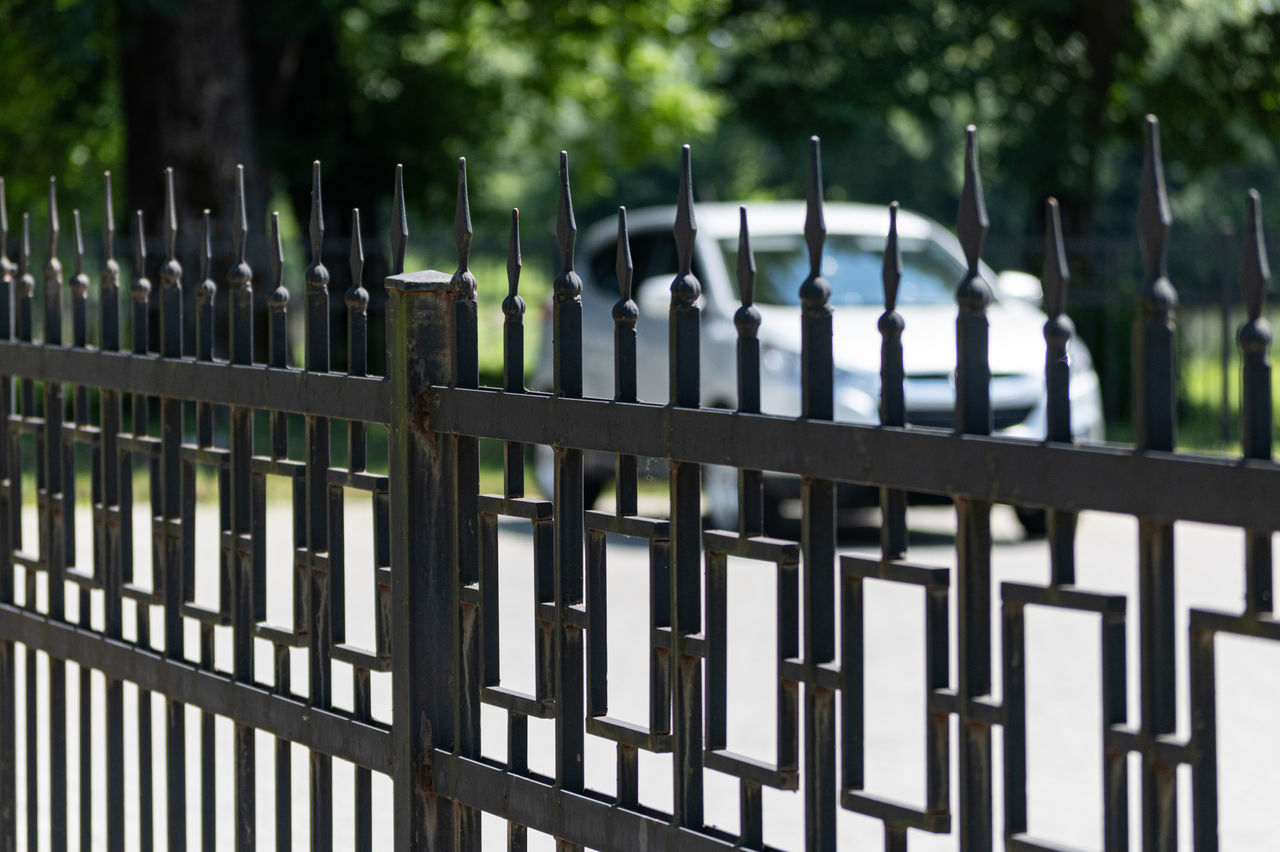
x=75, y=411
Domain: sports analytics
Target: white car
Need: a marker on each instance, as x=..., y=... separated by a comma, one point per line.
x=933, y=265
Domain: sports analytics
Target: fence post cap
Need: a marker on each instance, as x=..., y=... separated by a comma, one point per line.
x=429, y=280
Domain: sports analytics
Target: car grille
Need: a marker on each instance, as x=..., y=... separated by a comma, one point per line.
x=946, y=418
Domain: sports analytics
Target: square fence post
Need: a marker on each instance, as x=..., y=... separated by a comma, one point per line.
x=420, y=353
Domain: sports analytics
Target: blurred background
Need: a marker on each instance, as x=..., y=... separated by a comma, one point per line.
x=1057, y=88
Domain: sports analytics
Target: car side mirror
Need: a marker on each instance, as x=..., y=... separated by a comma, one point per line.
x=653, y=296
x=1020, y=285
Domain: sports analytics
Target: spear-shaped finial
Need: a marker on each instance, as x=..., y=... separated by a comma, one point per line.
x=891, y=267
x=170, y=216
x=1055, y=276
x=815, y=224
x=462, y=218
x=24, y=251
x=623, y=265
x=746, y=262
x=686, y=228
x=316, y=229
x=566, y=225
x=139, y=248
x=1255, y=271
x=399, y=224
x=972, y=223
x=206, y=245
x=52, y=221
x=1154, y=216
x=356, y=258
x=79, y=238
x=279, y=294
x=514, y=260
x=4, y=225
x=108, y=220
x=240, y=218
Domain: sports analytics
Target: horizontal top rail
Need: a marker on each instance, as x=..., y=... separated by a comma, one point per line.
x=336, y=395
x=1157, y=486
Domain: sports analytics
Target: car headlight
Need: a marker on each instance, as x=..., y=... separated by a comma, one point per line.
x=858, y=394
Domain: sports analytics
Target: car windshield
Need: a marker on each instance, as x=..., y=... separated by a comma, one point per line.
x=851, y=263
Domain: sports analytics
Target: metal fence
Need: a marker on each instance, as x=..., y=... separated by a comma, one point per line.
x=436, y=561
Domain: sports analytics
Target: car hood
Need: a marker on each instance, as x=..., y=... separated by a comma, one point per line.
x=1015, y=342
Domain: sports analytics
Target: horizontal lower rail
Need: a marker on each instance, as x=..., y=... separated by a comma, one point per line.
x=332, y=733
x=334, y=395
x=579, y=818
x=1162, y=487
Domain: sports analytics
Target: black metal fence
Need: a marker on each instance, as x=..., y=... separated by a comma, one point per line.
x=436, y=570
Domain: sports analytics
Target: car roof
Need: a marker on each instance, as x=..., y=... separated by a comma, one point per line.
x=719, y=220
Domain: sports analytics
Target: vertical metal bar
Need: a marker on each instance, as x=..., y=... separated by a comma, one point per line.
x=513, y=308
x=357, y=301
x=746, y=319
x=625, y=314
x=567, y=637
x=53, y=545
x=327, y=588
x=973, y=533
x=110, y=520
x=1115, y=709
x=893, y=405
x=818, y=528
x=245, y=607
x=466, y=460
x=140, y=295
x=173, y=566
x=27, y=408
x=1204, y=734
x=363, y=706
x=1154, y=390
x=1013, y=645
x=420, y=352
x=684, y=389
x=283, y=758
x=10, y=519
x=80, y=340
x=1254, y=339
x=1058, y=330
x=208, y=754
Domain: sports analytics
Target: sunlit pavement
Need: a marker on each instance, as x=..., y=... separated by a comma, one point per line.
x=1063, y=688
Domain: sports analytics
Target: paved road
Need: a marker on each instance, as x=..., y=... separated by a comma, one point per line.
x=1064, y=736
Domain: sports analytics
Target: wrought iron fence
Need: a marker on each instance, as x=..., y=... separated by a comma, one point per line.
x=436, y=565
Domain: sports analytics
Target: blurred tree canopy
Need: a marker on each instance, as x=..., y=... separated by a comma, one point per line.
x=1057, y=88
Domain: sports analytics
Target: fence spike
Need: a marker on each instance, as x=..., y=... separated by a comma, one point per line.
x=79, y=244
x=240, y=218
x=316, y=227
x=139, y=251
x=815, y=224
x=24, y=251
x=1255, y=270
x=462, y=219
x=356, y=257
x=514, y=260
x=108, y=220
x=972, y=223
x=1055, y=277
x=891, y=266
x=279, y=296
x=170, y=216
x=52, y=228
x=206, y=245
x=1154, y=216
x=746, y=262
x=399, y=224
x=4, y=223
x=686, y=228
x=566, y=225
x=623, y=265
